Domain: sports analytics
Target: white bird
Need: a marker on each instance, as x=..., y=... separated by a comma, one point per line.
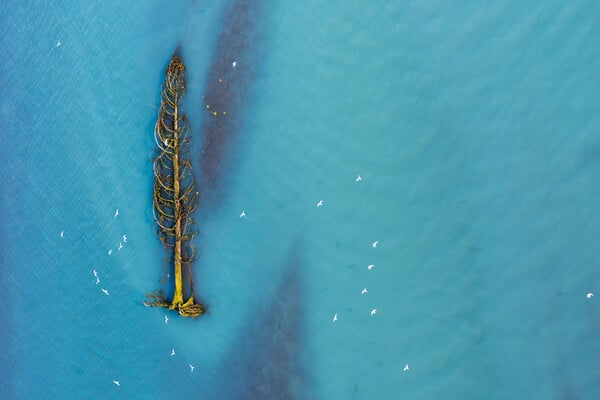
x=405, y=368
x=589, y=295
x=375, y=243
x=117, y=383
x=120, y=246
x=364, y=291
x=374, y=311
x=124, y=238
x=370, y=267
x=116, y=213
x=334, y=318
x=58, y=43
x=105, y=292
x=358, y=178
x=97, y=280
x=166, y=319
x=320, y=203
x=62, y=234
x=243, y=214
x=191, y=367
x=110, y=252
x=95, y=273
x=172, y=352
x=234, y=64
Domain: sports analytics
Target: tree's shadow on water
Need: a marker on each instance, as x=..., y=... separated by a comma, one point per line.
x=265, y=362
x=226, y=95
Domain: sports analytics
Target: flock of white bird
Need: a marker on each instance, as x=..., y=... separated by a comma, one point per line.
x=107, y=293
x=369, y=267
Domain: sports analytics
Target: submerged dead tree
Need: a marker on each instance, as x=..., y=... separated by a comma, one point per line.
x=175, y=197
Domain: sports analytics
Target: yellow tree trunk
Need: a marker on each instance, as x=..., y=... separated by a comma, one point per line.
x=178, y=296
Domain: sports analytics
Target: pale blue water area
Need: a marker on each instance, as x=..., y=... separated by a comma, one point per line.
x=475, y=129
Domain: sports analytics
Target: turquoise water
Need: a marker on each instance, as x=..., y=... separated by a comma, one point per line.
x=474, y=129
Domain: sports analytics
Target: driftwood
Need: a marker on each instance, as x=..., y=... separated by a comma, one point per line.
x=175, y=196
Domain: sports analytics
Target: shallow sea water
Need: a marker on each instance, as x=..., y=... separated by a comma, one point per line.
x=474, y=129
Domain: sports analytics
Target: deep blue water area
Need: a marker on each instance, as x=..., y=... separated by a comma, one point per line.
x=474, y=129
